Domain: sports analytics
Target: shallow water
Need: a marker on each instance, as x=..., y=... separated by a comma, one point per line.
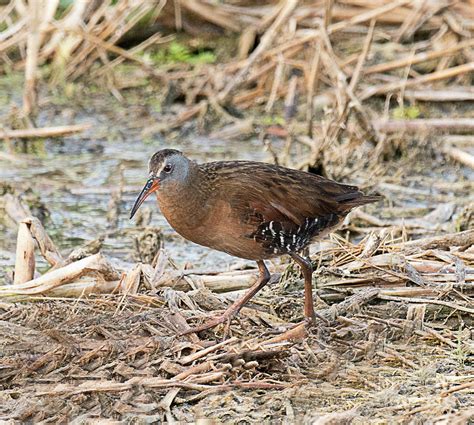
x=74, y=177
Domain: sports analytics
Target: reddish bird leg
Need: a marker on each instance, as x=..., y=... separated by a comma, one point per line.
x=263, y=278
x=307, y=270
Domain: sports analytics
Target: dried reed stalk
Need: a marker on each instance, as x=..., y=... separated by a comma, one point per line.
x=25, y=255
x=457, y=125
x=222, y=282
x=265, y=42
x=33, y=133
x=460, y=156
x=40, y=13
x=32, y=49
x=428, y=78
x=419, y=58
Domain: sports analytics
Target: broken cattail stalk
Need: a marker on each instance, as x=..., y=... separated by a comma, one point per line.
x=465, y=238
x=458, y=125
x=234, y=130
x=211, y=13
x=223, y=282
x=40, y=13
x=114, y=23
x=60, y=276
x=16, y=210
x=85, y=285
x=86, y=250
x=60, y=44
x=25, y=255
x=45, y=244
x=262, y=48
x=33, y=133
x=368, y=15
x=119, y=51
x=154, y=39
x=131, y=282
x=453, y=94
x=460, y=156
x=459, y=141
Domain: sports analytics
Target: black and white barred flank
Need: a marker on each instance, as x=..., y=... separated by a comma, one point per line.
x=279, y=240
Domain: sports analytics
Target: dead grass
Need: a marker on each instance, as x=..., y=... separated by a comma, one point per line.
x=86, y=341
x=393, y=341
x=89, y=359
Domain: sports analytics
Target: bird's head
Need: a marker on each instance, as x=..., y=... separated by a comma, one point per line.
x=166, y=166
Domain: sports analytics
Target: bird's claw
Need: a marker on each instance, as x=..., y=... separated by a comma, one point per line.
x=208, y=324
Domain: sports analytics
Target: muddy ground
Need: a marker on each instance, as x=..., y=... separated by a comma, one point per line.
x=119, y=357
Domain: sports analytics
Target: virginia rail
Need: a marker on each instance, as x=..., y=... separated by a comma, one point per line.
x=250, y=210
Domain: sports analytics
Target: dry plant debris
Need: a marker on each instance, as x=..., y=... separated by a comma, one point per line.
x=89, y=340
x=387, y=306
x=292, y=61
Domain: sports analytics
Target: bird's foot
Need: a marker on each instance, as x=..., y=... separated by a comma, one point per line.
x=212, y=323
x=295, y=332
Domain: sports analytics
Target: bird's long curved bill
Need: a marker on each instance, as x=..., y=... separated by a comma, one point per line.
x=151, y=186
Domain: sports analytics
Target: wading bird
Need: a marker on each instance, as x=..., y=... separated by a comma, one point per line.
x=250, y=210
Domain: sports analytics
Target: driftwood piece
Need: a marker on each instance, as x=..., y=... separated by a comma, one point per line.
x=85, y=285
x=25, y=255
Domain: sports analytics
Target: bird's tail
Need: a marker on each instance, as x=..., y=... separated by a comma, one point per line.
x=356, y=199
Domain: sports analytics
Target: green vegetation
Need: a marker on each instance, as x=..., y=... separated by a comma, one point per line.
x=461, y=354
x=179, y=53
x=409, y=112
x=272, y=120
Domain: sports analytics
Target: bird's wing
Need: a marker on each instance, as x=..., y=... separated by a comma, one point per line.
x=281, y=208
x=283, y=194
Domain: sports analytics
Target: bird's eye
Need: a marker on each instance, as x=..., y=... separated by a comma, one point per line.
x=167, y=168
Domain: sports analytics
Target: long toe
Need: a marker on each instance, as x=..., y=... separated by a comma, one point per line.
x=296, y=332
x=208, y=324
